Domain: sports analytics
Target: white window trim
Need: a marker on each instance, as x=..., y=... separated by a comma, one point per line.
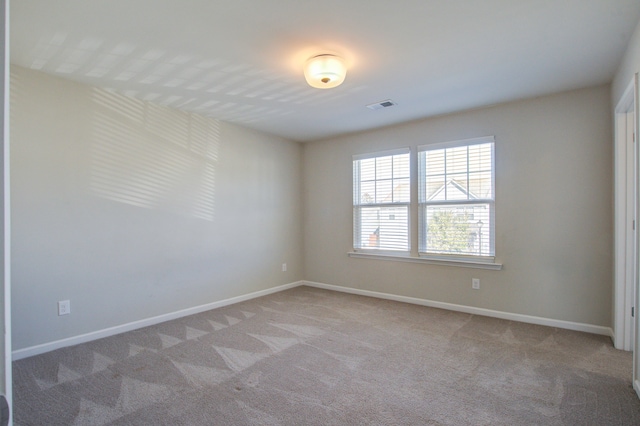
x=460, y=142
x=398, y=151
x=431, y=260
x=475, y=262
x=441, y=258
x=386, y=252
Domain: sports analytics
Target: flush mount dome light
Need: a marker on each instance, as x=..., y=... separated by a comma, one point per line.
x=325, y=71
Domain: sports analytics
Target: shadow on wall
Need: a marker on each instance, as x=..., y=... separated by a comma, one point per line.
x=151, y=156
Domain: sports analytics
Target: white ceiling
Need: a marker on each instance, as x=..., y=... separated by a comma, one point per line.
x=241, y=60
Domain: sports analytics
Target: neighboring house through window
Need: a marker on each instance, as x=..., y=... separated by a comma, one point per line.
x=456, y=202
x=456, y=199
x=381, y=199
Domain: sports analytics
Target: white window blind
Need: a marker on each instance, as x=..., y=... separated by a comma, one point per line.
x=456, y=198
x=381, y=196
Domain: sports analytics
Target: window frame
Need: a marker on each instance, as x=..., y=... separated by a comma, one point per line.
x=357, y=205
x=422, y=205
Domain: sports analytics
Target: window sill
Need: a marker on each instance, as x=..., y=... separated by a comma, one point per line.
x=412, y=259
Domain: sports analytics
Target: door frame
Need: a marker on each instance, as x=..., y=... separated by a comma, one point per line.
x=625, y=236
x=636, y=128
x=5, y=214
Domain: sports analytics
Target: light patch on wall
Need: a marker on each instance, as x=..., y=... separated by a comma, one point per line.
x=151, y=156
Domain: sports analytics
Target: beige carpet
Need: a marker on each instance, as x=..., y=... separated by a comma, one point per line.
x=314, y=357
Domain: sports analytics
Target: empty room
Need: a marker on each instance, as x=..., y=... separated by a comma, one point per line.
x=320, y=213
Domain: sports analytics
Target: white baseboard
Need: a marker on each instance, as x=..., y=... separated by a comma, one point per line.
x=636, y=387
x=94, y=335
x=588, y=328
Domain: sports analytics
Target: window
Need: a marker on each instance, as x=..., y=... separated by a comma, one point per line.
x=381, y=196
x=456, y=199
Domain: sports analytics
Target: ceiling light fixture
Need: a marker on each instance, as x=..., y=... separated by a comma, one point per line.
x=325, y=71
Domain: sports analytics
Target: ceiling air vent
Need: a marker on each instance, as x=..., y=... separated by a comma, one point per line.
x=382, y=104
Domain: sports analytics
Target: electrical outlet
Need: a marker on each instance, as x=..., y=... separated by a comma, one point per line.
x=475, y=283
x=284, y=267
x=64, y=307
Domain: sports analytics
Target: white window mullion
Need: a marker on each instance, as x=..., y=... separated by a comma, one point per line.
x=446, y=178
x=468, y=179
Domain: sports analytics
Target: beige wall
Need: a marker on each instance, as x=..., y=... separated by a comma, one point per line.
x=131, y=210
x=553, y=209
